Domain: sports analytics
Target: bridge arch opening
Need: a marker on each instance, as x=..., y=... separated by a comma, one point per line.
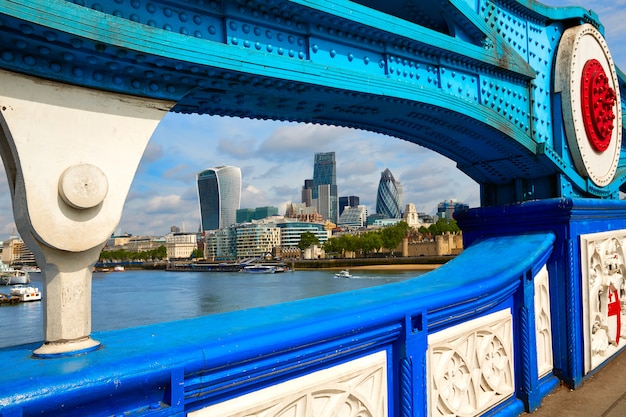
x=275, y=158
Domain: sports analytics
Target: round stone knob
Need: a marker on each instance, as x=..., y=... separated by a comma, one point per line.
x=83, y=186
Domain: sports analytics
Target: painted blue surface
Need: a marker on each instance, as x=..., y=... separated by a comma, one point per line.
x=567, y=219
x=187, y=364
x=441, y=83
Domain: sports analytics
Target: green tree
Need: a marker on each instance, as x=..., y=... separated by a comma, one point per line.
x=370, y=242
x=331, y=246
x=444, y=225
x=424, y=230
x=307, y=239
x=121, y=255
x=348, y=243
x=392, y=236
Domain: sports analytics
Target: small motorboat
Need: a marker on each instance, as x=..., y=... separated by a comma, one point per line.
x=259, y=269
x=343, y=274
x=26, y=293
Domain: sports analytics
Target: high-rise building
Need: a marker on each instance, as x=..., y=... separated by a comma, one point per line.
x=307, y=193
x=389, y=197
x=249, y=214
x=446, y=209
x=324, y=202
x=348, y=201
x=219, y=194
x=324, y=173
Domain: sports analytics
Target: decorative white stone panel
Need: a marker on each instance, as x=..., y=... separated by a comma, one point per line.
x=603, y=275
x=354, y=389
x=543, y=326
x=470, y=366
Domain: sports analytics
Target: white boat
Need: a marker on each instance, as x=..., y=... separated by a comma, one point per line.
x=259, y=269
x=343, y=274
x=25, y=293
x=118, y=268
x=30, y=269
x=11, y=276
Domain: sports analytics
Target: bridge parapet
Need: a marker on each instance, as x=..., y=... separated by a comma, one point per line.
x=529, y=302
x=459, y=339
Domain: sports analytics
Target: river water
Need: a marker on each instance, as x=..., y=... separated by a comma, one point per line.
x=135, y=298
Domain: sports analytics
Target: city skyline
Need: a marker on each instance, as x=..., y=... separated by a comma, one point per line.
x=276, y=157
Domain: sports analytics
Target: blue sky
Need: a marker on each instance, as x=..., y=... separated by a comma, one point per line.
x=275, y=158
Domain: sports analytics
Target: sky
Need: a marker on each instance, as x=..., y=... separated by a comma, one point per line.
x=276, y=157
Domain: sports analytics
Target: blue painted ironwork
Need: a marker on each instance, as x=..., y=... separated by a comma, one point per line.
x=475, y=87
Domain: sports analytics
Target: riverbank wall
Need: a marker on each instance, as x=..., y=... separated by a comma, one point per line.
x=419, y=262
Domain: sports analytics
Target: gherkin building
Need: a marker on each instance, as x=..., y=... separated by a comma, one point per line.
x=389, y=197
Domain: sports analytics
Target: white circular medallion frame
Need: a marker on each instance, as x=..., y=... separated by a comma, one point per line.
x=579, y=45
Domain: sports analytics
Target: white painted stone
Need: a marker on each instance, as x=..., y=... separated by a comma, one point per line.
x=470, y=366
x=70, y=155
x=353, y=389
x=51, y=127
x=83, y=186
x=543, y=325
x=603, y=275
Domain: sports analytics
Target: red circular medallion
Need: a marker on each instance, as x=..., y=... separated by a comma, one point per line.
x=598, y=99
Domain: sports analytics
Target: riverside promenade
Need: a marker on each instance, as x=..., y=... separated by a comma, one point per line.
x=602, y=395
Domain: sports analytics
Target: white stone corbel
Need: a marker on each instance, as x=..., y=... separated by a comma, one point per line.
x=70, y=155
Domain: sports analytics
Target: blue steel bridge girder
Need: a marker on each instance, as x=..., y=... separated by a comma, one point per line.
x=475, y=85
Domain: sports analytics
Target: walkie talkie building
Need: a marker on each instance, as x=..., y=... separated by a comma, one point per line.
x=219, y=195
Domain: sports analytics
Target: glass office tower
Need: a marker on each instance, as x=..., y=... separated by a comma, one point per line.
x=324, y=173
x=219, y=195
x=348, y=201
x=389, y=197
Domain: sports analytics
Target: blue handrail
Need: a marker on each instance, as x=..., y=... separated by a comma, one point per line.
x=220, y=356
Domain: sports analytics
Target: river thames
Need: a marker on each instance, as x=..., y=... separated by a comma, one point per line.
x=136, y=298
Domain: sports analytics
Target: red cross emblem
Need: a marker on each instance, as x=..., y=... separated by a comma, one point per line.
x=614, y=315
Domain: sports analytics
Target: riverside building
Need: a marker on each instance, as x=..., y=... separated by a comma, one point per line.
x=180, y=245
x=259, y=237
x=256, y=239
